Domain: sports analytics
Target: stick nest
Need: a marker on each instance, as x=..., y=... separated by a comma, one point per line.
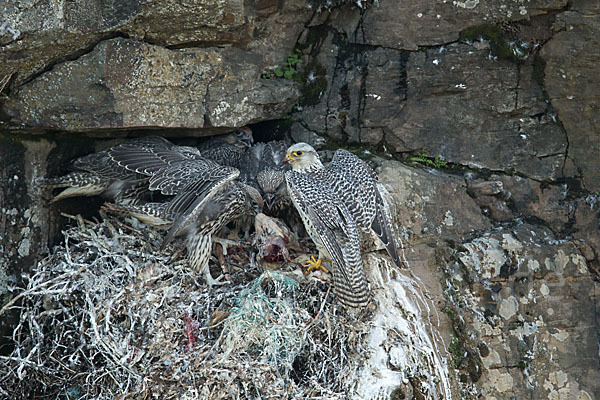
x=107, y=316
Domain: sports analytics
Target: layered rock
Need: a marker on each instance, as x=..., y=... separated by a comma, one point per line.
x=413, y=24
x=128, y=84
x=69, y=29
x=571, y=79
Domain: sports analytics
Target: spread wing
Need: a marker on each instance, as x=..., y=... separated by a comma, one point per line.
x=190, y=178
x=102, y=165
x=147, y=155
x=191, y=199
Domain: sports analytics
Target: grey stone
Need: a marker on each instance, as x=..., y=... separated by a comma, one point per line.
x=128, y=84
x=69, y=28
x=465, y=108
x=539, y=315
x=430, y=204
x=24, y=227
x=410, y=24
x=571, y=78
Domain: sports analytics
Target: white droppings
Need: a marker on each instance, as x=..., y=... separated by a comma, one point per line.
x=468, y=4
x=411, y=351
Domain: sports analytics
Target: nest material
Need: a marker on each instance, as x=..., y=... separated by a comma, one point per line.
x=107, y=316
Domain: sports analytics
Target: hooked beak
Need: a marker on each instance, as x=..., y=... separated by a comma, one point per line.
x=269, y=200
x=289, y=158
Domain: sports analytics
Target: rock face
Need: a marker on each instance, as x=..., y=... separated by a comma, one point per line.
x=70, y=28
x=522, y=304
x=531, y=315
x=571, y=76
x=72, y=74
x=483, y=116
x=430, y=204
x=127, y=84
x=414, y=23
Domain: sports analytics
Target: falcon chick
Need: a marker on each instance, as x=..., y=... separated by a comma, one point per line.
x=206, y=195
x=228, y=149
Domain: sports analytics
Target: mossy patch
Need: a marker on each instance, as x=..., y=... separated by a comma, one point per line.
x=538, y=73
x=436, y=162
x=314, y=84
x=500, y=46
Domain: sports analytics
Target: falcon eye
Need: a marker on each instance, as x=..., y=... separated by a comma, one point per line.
x=298, y=153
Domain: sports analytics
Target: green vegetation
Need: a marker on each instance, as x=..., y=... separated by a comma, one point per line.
x=288, y=69
x=426, y=159
x=456, y=351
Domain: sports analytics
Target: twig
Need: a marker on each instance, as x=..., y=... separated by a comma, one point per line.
x=77, y=218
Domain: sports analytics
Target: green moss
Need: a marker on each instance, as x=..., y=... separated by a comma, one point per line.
x=456, y=351
x=450, y=312
x=287, y=70
x=314, y=83
x=539, y=67
x=435, y=162
x=499, y=45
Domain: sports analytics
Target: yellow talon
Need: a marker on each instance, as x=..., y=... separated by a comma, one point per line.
x=315, y=264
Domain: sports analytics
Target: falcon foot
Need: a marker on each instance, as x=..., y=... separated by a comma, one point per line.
x=224, y=267
x=316, y=264
x=212, y=281
x=226, y=242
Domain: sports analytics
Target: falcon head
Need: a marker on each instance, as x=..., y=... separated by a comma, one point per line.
x=244, y=135
x=241, y=138
x=303, y=157
x=256, y=201
x=272, y=183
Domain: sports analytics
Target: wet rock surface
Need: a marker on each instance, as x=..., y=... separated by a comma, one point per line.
x=483, y=117
x=570, y=76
